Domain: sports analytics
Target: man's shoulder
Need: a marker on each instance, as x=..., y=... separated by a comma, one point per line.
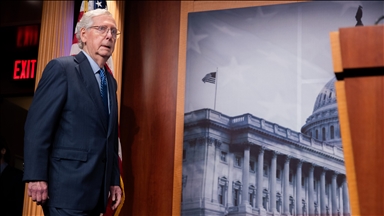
x=62, y=60
x=71, y=58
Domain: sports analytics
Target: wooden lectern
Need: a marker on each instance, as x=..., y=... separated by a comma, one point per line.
x=358, y=61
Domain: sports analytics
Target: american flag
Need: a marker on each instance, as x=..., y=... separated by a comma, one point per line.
x=210, y=77
x=88, y=6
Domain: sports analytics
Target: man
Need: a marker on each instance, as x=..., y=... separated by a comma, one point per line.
x=70, y=144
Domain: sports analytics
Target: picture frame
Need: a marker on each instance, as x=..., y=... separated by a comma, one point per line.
x=200, y=7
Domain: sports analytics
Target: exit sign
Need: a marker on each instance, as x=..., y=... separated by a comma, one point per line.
x=19, y=70
x=24, y=69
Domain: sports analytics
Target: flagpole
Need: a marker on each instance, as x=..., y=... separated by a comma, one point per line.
x=217, y=80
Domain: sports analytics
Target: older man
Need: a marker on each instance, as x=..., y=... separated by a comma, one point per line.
x=70, y=153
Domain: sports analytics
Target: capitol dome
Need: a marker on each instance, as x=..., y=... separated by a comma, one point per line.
x=323, y=124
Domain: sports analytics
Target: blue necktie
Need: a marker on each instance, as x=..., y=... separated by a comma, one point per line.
x=104, y=90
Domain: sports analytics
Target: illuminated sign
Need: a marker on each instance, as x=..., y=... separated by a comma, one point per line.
x=19, y=68
x=27, y=36
x=24, y=69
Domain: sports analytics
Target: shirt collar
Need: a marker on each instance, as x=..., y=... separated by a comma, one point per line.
x=94, y=66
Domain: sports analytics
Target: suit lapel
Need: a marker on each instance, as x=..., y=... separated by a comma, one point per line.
x=85, y=72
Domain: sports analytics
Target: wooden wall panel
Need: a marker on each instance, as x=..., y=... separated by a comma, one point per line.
x=365, y=110
x=364, y=96
x=359, y=64
x=359, y=53
x=148, y=109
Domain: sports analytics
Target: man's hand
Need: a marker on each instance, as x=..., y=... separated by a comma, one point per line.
x=115, y=192
x=38, y=191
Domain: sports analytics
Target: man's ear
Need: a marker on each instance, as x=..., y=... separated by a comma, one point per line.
x=83, y=35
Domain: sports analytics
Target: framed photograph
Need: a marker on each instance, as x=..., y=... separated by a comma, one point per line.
x=261, y=128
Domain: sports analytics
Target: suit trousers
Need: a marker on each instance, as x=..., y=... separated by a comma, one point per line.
x=53, y=211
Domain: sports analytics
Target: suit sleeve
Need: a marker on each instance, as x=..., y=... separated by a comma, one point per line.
x=42, y=121
x=116, y=166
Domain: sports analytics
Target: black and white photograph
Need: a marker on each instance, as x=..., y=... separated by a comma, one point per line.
x=261, y=126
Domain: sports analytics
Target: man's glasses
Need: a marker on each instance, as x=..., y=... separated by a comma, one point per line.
x=103, y=30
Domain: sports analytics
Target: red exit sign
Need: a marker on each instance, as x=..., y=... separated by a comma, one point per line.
x=24, y=69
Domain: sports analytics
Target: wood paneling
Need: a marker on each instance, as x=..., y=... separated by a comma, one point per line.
x=364, y=97
x=55, y=33
x=362, y=52
x=148, y=109
x=344, y=124
x=347, y=147
x=365, y=104
x=356, y=53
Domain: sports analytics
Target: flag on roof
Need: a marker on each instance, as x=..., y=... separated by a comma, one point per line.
x=210, y=77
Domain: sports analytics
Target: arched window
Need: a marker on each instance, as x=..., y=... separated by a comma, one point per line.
x=252, y=192
x=278, y=173
x=236, y=193
x=316, y=209
x=265, y=169
x=265, y=199
x=323, y=133
x=223, y=156
x=304, y=207
x=332, y=130
x=291, y=205
x=223, y=185
x=278, y=202
x=237, y=161
x=251, y=166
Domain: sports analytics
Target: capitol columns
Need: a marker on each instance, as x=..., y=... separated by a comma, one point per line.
x=217, y=144
x=272, y=175
x=345, y=198
x=209, y=166
x=311, y=203
x=298, y=188
x=260, y=166
x=323, y=208
x=286, y=185
x=335, y=208
x=245, y=206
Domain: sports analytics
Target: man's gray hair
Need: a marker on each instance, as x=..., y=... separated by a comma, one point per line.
x=87, y=21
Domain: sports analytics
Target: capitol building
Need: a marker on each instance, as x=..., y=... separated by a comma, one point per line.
x=245, y=165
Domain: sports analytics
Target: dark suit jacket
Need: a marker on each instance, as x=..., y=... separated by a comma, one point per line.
x=69, y=140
